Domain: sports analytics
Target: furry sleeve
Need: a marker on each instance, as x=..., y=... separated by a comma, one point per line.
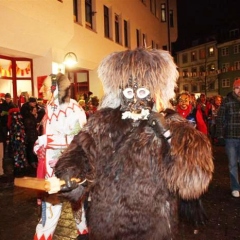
x=190, y=171
x=75, y=162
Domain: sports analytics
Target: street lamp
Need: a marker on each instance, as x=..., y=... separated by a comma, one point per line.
x=70, y=59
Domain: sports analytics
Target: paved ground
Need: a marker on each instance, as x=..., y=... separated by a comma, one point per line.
x=18, y=211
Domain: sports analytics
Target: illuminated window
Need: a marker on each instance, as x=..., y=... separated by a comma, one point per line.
x=193, y=56
x=210, y=51
x=163, y=12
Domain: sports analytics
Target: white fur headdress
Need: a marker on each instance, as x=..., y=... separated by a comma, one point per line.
x=154, y=69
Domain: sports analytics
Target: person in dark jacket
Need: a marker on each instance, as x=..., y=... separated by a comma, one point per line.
x=31, y=130
x=26, y=107
x=6, y=105
x=228, y=129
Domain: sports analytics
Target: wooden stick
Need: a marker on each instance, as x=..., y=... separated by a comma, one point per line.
x=41, y=184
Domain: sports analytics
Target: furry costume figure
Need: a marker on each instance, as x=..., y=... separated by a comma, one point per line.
x=136, y=162
x=62, y=121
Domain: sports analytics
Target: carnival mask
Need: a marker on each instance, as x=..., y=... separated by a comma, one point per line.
x=136, y=102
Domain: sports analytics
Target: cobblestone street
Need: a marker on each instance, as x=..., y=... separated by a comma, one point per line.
x=18, y=211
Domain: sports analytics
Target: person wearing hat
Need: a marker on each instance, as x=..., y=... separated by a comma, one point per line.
x=27, y=106
x=228, y=129
x=6, y=105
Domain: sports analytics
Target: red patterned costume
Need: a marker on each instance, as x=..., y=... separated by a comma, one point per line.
x=137, y=162
x=62, y=121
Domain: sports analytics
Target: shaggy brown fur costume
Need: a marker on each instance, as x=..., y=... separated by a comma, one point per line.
x=134, y=175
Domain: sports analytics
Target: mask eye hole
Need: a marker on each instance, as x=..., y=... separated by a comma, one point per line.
x=128, y=93
x=142, y=92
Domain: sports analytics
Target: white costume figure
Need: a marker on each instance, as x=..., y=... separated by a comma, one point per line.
x=62, y=121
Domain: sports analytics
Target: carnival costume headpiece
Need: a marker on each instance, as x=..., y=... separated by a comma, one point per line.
x=152, y=73
x=59, y=85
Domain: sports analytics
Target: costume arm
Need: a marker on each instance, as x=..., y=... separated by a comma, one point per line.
x=190, y=170
x=75, y=163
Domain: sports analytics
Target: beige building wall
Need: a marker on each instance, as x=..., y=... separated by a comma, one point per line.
x=44, y=30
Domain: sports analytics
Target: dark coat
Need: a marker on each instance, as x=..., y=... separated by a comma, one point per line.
x=134, y=176
x=4, y=107
x=30, y=125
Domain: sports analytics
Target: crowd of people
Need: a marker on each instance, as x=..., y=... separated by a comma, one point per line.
x=201, y=112
x=20, y=126
x=49, y=137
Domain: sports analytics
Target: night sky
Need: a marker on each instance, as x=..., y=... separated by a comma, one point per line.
x=200, y=18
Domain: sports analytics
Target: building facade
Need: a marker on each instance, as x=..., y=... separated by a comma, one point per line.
x=37, y=34
x=229, y=65
x=198, y=69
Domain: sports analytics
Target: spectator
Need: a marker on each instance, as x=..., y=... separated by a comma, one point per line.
x=31, y=130
x=204, y=107
x=228, y=127
x=17, y=147
x=217, y=100
x=185, y=108
x=32, y=102
x=6, y=105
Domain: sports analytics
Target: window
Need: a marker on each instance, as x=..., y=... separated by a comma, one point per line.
x=88, y=13
x=184, y=58
x=144, y=40
x=16, y=76
x=225, y=67
x=153, y=44
x=210, y=51
x=225, y=51
x=76, y=12
x=138, y=37
x=106, y=22
x=117, y=29
x=171, y=23
x=202, y=54
x=153, y=6
x=211, y=86
x=163, y=12
x=185, y=73
x=194, y=88
x=211, y=67
x=225, y=83
x=193, y=56
x=236, y=49
x=237, y=65
x=185, y=88
x=164, y=47
x=234, y=33
x=126, y=43
x=194, y=72
x=203, y=87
